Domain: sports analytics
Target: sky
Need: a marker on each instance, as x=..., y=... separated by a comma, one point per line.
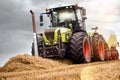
x=16, y=27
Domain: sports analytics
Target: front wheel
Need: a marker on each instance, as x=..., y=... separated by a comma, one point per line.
x=80, y=48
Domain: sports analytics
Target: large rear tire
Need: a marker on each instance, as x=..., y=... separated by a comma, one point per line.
x=106, y=48
x=80, y=48
x=104, y=42
x=98, y=48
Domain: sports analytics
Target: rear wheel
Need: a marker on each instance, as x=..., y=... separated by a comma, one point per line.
x=104, y=42
x=106, y=48
x=80, y=48
x=98, y=48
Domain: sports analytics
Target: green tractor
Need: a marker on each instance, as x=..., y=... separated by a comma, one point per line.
x=67, y=36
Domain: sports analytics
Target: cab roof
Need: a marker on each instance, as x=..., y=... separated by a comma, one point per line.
x=65, y=7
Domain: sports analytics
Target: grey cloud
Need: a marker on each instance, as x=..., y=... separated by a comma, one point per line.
x=15, y=29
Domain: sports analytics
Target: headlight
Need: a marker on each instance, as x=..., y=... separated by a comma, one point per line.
x=55, y=42
x=46, y=43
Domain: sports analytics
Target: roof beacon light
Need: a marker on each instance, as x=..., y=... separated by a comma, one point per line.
x=46, y=9
x=76, y=4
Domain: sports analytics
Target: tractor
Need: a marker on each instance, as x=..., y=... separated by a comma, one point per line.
x=67, y=36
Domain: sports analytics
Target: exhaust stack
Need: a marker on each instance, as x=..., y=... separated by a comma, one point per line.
x=34, y=34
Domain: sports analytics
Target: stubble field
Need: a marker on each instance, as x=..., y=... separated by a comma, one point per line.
x=27, y=67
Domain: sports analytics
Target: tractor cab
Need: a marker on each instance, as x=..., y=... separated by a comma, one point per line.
x=72, y=17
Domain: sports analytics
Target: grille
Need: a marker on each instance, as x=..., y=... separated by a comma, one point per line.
x=50, y=35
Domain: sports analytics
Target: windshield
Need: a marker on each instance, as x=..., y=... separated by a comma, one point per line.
x=66, y=15
x=62, y=17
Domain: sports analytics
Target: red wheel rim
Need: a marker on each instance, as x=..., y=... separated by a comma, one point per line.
x=86, y=49
x=101, y=50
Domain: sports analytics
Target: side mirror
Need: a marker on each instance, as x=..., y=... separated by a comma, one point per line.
x=83, y=12
x=41, y=20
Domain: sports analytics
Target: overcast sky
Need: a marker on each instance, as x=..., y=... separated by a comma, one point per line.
x=16, y=26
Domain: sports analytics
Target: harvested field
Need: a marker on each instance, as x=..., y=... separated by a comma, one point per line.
x=27, y=62
x=109, y=71
x=26, y=67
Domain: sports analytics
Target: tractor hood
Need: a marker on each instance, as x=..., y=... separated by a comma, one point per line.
x=51, y=35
